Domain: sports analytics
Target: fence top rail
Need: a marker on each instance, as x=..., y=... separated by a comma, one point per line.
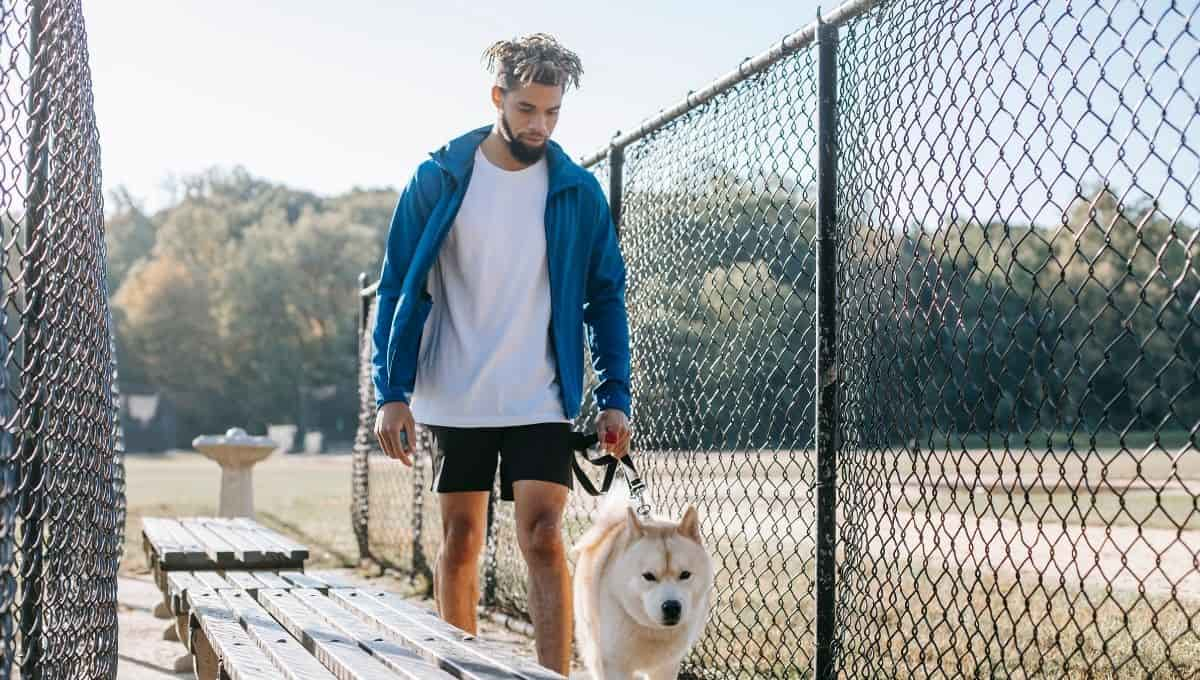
x=788, y=45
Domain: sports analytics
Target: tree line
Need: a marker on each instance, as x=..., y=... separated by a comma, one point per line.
x=238, y=299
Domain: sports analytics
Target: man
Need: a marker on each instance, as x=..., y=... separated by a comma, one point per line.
x=501, y=252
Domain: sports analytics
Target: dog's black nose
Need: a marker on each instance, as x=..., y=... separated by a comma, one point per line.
x=671, y=611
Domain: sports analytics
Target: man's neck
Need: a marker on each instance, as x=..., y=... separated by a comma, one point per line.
x=496, y=150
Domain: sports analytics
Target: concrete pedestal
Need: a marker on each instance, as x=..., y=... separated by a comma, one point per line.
x=237, y=453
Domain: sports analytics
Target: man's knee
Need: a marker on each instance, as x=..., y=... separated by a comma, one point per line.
x=541, y=538
x=462, y=542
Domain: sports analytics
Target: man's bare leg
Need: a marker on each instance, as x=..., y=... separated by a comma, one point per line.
x=456, y=575
x=539, y=511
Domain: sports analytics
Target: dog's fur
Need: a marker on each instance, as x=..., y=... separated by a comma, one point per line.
x=620, y=620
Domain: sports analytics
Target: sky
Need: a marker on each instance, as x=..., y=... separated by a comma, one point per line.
x=328, y=96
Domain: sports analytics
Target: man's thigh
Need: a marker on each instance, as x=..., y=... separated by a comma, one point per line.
x=464, y=458
x=539, y=452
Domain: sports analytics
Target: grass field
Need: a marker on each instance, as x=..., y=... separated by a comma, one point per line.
x=306, y=497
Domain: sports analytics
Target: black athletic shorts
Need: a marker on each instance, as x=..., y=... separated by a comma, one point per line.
x=464, y=458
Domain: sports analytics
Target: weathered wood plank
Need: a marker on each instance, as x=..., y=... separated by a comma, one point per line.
x=249, y=536
x=245, y=580
x=461, y=661
x=170, y=546
x=340, y=653
x=393, y=655
x=331, y=579
x=248, y=551
x=294, y=551
x=211, y=580
x=296, y=579
x=215, y=546
x=238, y=656
x=272, y=580
x=524, y=667
x=178, y=583
x=288, y=654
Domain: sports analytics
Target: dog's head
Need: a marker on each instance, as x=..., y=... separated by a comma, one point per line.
x=665, y=573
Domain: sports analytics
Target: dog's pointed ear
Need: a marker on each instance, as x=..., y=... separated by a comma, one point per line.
x=635, y=525
x=690, y=524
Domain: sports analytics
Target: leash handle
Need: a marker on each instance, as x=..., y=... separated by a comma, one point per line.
x=581, y=443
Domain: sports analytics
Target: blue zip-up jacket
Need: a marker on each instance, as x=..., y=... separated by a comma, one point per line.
x=587, y=275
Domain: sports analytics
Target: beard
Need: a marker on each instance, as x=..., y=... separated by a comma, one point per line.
x=521, y=151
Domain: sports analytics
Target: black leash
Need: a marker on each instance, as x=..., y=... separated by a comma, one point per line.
x=580, y=443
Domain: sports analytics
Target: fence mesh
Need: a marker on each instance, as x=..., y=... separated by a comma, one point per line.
x=62, y=507
x=1020, y=339
x=1017, y=346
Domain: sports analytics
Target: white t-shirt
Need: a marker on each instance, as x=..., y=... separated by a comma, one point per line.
x=485, y=358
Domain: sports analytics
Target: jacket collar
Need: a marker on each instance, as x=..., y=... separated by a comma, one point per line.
x=457, y=157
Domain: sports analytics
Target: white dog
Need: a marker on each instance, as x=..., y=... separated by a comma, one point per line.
x=642, y=592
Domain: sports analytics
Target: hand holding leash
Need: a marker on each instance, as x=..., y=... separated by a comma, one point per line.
x=582, y=442
x=613, y=425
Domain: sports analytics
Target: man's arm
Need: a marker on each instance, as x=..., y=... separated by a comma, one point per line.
x=605, y=316
x=408, y=221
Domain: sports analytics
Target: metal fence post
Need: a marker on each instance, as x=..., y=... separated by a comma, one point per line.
x=33, y=441
x=361, y=509
x=364, y=306
x=420, y=563
x=616, y=167
x=827, y=416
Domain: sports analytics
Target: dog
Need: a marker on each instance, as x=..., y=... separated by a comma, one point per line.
x=642, y=591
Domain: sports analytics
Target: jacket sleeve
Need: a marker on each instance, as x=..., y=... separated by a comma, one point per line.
x=605, y=316
x=395, y=382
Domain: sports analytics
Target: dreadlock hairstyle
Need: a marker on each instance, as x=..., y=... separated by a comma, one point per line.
x=536, y=58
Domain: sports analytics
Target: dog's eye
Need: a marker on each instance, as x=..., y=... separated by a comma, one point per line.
x=649, y=577
x=685, y=575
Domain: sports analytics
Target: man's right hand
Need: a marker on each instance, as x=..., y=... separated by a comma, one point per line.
x=396, y=431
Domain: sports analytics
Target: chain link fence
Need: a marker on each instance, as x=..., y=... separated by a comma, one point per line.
x=62, y=505
x=979, y=219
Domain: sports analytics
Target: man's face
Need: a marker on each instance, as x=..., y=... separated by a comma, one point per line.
x=527, y=118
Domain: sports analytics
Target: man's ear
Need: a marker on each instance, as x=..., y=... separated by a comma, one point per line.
x=497, y=97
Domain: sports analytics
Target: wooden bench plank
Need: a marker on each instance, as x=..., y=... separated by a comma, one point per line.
x=288, y=655
x=459, y=660
x=248, y=552
x=170, y=546
x=295, y=551
x=245, y=580
x=523, y=667
x=178, y=583
x=393, y=655
x=211, y=580
x=295, y=579
x=272, y=580
x=250, y=536
x=331, y=579
x=338, y=652
x=239, y=657
x=215, y=546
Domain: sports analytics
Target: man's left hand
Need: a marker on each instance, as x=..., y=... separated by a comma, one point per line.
x=614, y=421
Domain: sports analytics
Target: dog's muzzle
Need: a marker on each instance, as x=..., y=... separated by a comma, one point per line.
x=671, y=610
